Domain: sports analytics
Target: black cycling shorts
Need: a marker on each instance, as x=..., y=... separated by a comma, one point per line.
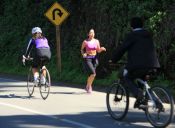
x=42, y=57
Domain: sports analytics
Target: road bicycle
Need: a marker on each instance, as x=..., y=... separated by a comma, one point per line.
x=44, y=88
x=158, y=102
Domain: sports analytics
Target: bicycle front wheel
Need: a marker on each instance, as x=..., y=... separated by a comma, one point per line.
x=30, y=82
x=161, y=114
x=117, y=101
x=45, y=88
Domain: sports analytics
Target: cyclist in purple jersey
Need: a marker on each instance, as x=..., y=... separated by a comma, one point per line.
x=39, y=46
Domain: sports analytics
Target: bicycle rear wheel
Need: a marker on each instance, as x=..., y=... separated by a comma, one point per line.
x=30, y=82
x=45, y=88
x=161, y=114
x=117, y=101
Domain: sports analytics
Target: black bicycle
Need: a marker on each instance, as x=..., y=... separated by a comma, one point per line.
x=43, y=87
x=158, y=107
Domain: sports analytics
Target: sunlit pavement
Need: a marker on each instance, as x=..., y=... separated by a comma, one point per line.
x=66, y=107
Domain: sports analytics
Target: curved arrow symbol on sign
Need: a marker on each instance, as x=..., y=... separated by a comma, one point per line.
x=56, y=11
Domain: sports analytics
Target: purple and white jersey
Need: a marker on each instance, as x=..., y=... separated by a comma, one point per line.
x=37, y=43
x=41, y=43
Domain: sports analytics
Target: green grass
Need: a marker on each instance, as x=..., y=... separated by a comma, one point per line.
x=108, y=80
x=73, y=75
x=68, y=74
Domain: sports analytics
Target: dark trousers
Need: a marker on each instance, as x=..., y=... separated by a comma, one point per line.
x=129, y=78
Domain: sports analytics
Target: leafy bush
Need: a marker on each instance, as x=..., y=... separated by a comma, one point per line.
x=108, y=18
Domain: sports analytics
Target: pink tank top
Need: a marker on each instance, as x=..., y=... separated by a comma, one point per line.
x=90, y=45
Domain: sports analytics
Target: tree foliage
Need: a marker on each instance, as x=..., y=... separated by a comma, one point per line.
x=109, y=18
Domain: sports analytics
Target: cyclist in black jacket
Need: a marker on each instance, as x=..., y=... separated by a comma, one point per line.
x=141, y=56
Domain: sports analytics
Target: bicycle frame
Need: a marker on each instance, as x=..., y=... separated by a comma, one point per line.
x=158, y=103
x=44, y=88
x=116, y=98
x=147, y=88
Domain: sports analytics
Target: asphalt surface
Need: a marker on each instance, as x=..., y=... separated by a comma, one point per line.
x=68, y=106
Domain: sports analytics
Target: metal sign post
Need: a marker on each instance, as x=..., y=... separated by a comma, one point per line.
x=57, y=14
x=58, y=48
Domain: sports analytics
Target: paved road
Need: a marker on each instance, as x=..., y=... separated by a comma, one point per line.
x=66, y=107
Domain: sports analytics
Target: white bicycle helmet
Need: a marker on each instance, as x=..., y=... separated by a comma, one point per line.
x=36, y=29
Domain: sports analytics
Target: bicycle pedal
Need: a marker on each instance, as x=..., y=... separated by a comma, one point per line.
x=162, y=110
x=142, y=106
x=117, y=99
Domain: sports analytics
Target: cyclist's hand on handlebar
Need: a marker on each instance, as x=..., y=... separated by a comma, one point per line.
x=23, y=59
x=110, y=61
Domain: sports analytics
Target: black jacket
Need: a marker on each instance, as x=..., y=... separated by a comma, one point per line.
x=140, y=50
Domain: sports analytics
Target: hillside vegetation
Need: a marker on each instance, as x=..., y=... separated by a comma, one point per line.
x=109, y=18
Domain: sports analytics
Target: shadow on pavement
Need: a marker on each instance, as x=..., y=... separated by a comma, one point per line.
x=82, y=120
x=13, y=96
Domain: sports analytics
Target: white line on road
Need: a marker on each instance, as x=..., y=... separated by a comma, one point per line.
x=41, y=113
x=47, y=115
x=28, y=110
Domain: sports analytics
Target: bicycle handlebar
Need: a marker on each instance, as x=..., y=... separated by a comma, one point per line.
x=26, y=58
x=118, y=63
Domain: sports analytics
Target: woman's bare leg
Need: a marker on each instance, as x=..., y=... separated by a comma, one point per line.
x=35, y=73
x=44, y=71
x=90, y=82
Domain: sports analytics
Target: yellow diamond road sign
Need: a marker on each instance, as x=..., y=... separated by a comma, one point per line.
x=56, y=14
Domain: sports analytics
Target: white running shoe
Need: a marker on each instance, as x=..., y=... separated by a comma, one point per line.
x=43, y=80
x=36, y=80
